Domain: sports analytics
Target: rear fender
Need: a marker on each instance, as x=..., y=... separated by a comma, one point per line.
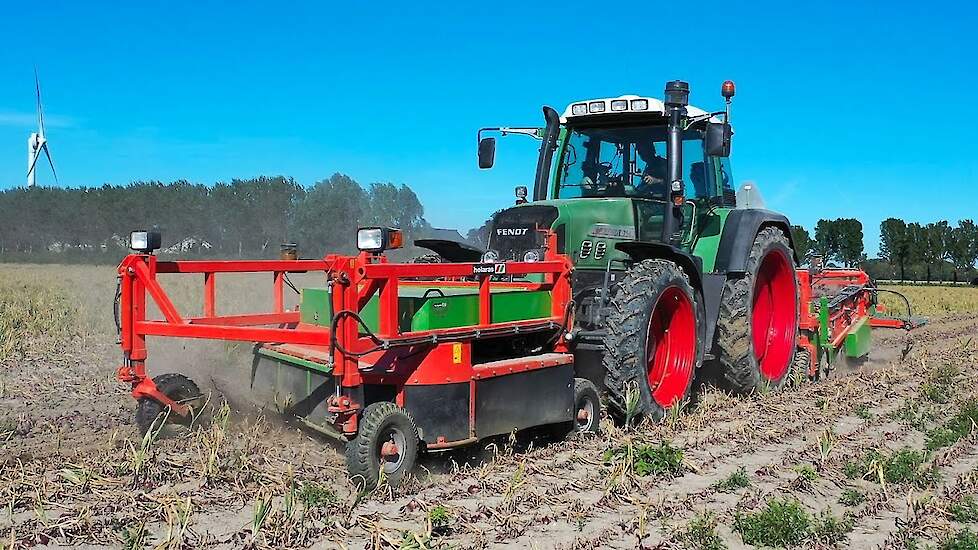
x=738, y=235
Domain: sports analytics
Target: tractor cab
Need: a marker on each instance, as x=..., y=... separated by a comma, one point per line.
x=626, y=168
x=616, y=171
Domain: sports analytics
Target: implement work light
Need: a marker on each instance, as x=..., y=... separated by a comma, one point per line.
x=144, y=241
x=379, y=239
x=579, y=109
x=619, y=105
x=595, y=107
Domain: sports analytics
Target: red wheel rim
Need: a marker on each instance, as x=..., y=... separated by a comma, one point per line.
x=670, y=349
x=774, y=321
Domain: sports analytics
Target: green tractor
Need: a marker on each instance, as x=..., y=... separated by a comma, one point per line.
x=670, y=271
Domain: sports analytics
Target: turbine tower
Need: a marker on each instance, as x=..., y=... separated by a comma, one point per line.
x=37, y=142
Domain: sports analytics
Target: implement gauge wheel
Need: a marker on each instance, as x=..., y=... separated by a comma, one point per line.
x=587, y=407
x=178, y=388
x=387, y=441
x=758, y=327
x=654, y=341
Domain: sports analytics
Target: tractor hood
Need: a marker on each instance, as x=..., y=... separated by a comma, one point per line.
x=587, y=229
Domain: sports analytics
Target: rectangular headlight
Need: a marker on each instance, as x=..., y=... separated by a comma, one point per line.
x=640, y=105
x=370, y=239
x=144, y=241
x=619, y=105
x=138, y=240
x=579, y=109
x=379, y=239
x=595, y=107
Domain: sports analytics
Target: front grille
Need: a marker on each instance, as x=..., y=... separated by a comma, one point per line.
x=517, y=230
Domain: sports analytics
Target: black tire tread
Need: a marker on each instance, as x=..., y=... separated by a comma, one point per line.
x=173, y=385
x=360, y=461
x=738, y=367
x=583, y=386
x=626, y=331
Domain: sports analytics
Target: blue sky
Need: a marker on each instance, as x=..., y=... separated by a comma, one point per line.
x=847, y=109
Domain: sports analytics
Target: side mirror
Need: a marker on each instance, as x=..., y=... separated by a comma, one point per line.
x=718, y=135
x=487, y=152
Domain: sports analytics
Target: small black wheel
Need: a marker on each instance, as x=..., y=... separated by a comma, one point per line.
x=178, y=388
x=587, y=407
x=387, y=441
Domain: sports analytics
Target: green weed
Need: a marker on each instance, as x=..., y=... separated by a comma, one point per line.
x=780, y=523
x=966, y=510
x=915, y=414
x=440, y=518
x=787, y=523
x=736, y=480
x=964, y=539
x=314, y=495
x=903, y=466
x=646, y=459
x=862, y=411
x=806, y=472
x=701, y=533
x=852, y=497
x=958, y=427
x=939, y=386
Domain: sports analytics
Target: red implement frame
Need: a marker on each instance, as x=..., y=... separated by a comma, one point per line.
x=354, y=279
x=850, y=299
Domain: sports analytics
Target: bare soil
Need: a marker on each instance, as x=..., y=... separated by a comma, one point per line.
x=74, y=471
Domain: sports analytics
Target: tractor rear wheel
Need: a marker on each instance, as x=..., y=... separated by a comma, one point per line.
x=178, y=388
x=758, y=327
x=387, y=441
x=653, y=345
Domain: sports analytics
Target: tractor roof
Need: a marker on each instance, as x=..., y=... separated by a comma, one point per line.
x=622, y=105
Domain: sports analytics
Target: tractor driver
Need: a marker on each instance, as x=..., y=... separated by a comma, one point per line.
x=654, y=174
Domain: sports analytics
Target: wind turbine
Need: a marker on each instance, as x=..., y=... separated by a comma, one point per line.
x=37, y=142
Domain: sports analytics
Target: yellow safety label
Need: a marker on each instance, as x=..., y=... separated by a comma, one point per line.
x=456, y=353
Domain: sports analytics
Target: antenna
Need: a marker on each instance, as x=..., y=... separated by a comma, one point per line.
x=37, y=141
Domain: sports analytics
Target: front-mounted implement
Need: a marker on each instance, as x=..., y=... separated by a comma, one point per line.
x=393, y=357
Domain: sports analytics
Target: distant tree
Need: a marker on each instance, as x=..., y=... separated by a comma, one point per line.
x=827, y=239
x=896, y=243
x=328, y=218
x=802, y=240
x=849, y=232
x=936, y=237
x=963, y=248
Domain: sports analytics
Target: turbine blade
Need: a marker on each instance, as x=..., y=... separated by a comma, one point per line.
x=40, y=111
x=37, y=155
x=51, y=162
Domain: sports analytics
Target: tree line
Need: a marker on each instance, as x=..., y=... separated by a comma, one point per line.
x=908, y=251
x=243, y=218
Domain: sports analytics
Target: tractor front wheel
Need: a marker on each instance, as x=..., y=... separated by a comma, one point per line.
x=150, y=412
x=654, y=339
x=386, y=444
x=758, y=327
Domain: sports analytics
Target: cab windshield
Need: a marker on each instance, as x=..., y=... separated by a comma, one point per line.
x=628, y=162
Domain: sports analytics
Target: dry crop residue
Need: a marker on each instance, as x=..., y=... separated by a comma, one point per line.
x=879, y=455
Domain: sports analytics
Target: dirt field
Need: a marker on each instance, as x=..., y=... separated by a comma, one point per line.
x=880, y=455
